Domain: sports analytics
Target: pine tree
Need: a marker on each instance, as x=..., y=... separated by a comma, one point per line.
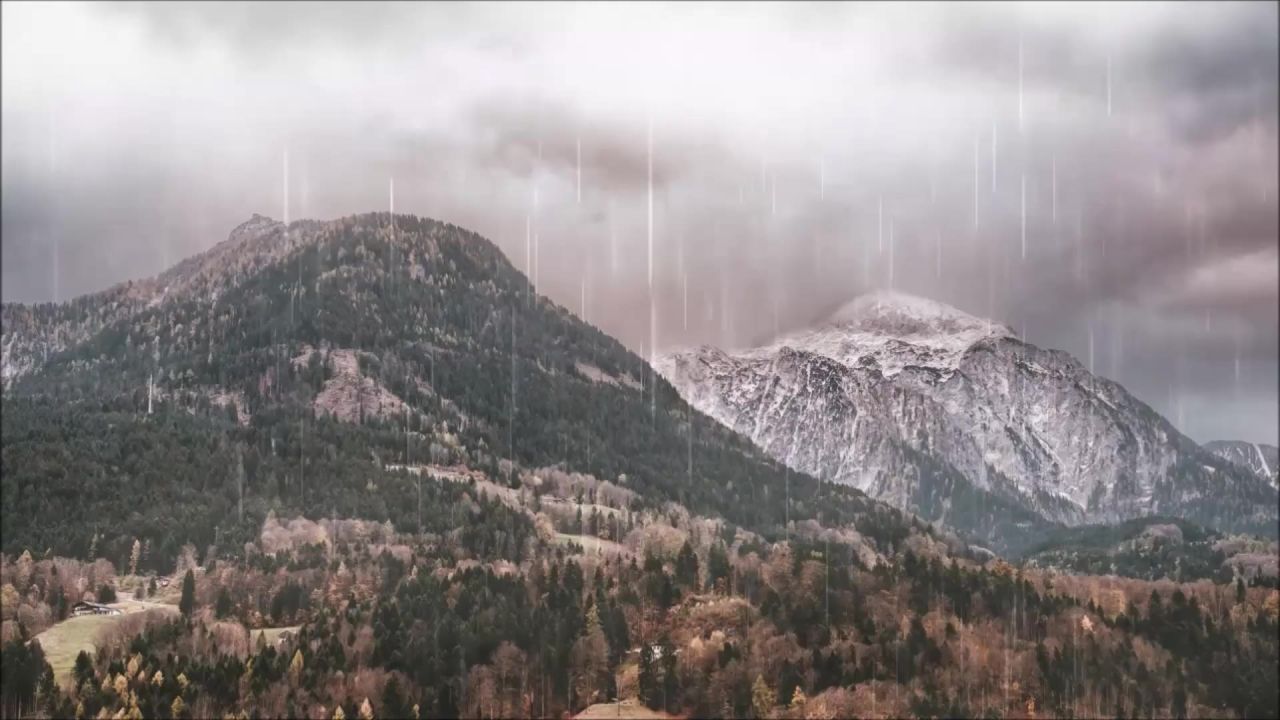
x=188, y=601
x=224, y=606
x=670, y=680
x=717, y=566
x=687, y=567
x=1179, y=697
x=83, y=671
x=648, y=681
x=392, y=699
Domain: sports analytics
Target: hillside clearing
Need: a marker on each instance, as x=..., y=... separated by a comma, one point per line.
x=626, y=709
x=593, y=545
x=64, y=641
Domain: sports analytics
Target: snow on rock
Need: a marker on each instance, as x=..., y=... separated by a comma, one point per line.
x=842, y=399
x=893, y=331
x=597, y=375
x=1259, y=459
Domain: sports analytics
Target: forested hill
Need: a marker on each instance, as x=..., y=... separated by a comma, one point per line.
x=289, y=368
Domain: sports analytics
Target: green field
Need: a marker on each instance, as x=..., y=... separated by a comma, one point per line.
x=64, y=641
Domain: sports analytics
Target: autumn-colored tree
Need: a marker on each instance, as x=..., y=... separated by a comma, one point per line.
x=590, y=658
x=9, y=601
x=509, y=668
x=295, y=666
x=22, y=571
x=762, y=698
x=798, y=700
x=366, y=710
x=134, y=556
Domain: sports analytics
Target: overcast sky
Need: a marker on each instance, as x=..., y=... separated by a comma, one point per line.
x=801, y=155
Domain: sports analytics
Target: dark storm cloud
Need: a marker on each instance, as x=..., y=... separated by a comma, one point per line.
x=1204, y=70
x=137, y=134
x=528, y=136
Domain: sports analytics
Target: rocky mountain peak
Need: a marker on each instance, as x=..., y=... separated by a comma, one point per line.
x=897, y=314
x=892, y=331
x=908, y=399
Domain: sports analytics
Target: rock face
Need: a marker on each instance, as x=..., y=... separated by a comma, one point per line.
x=1259, y=459
x=912, y=401
x=348, y=395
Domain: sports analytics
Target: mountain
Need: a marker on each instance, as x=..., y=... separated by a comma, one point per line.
x=371, y=441
x=299, y=369
x=956, y=418
x=1261, y=460
x=1156, y=548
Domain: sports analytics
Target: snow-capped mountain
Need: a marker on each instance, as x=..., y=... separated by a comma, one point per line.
x=893, y=393
x=1260, y=459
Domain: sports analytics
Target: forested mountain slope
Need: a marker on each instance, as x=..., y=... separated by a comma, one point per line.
x=289, y=367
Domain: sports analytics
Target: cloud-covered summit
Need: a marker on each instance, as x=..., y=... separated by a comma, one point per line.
x=801, y=154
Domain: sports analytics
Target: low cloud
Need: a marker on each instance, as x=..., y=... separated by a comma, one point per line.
x=801, y=154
